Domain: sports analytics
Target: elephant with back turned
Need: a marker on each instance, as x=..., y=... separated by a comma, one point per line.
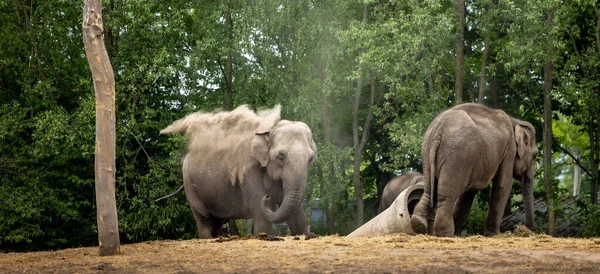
x=395, y=186
x=242, y=165
x=464, y=148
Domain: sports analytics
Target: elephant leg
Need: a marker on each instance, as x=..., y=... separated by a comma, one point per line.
x=297, y=222
x=204, y=222
x=261, y=225
x=444, y=214
x=418, y=220
x=462, y=209
x=217, y=224
x=501, y=187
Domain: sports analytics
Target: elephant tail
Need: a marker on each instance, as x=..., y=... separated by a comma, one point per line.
x=432, y=181
x=179, y=190
x=182, y=125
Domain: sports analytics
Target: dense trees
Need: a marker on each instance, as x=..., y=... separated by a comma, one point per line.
x=324, y=61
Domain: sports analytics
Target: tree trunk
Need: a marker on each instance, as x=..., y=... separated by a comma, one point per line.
x=483, y=73
x=359, y=147
x=228, y=72
x=358, y=188
x=576, y=179
x=593, y=133
x=104, y=86
x=547, y=137
x=460, y=50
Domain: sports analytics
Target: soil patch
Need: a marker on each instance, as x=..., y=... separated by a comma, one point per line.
x=331, y=254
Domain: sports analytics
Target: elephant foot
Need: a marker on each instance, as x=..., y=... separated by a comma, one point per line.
x=311, y=235
x=419, y=224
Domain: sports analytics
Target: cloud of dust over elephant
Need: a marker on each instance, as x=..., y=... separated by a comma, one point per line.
x=224, y=128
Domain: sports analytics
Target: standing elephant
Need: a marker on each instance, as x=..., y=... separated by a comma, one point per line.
x=396, y=186
x=243, y=165
x=464, y=148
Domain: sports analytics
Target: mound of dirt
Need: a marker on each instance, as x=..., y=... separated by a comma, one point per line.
x=384, y=254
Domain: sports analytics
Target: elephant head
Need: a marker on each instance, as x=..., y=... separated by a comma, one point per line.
x=286, y=152
x=524, y=167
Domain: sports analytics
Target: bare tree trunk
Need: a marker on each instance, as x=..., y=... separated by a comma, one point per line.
x=547, y=137
x=358, y=187
x=460, y=50
x=483, y=73
x=576, y=176
x=359, y=145
x=104, y=86
x=594, y=133
x=229, y=73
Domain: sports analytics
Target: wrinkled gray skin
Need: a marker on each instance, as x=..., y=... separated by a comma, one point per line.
x=275, y=173
x=396, y=186
x=464, y=148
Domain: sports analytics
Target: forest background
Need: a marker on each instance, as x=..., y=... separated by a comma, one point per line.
x=366, y=76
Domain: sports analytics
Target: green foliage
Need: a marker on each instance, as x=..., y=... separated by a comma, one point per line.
x=591, y=224
x=475, y=223
x=169, y=59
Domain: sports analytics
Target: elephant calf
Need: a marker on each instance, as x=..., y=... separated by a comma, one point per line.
x=396, y=186
x=243, y=165
x=464, y=148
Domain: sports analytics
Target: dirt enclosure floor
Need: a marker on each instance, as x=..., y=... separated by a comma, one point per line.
x=330, y=254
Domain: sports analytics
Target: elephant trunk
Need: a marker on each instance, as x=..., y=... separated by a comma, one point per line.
x=527, y=186
x=294, y=187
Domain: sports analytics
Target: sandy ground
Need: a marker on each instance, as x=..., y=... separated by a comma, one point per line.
x=330, y=254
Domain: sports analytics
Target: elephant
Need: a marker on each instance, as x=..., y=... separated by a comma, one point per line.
x=464, y=148
x=396, y=186
x=243, y=165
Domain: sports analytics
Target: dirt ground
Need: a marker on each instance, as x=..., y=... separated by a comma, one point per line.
x=330, y=254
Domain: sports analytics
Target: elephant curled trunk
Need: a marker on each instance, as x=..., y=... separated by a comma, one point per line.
x=293, y=193
x=527, y=186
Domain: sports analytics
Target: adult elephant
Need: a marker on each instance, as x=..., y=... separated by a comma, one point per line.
x=396, y=186
x=243, y=165
x=464, y=148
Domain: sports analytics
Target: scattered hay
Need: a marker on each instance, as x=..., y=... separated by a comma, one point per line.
x=523, y=231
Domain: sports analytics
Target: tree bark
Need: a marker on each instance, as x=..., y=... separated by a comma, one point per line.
x=360, y=145
x=576, y=179
x=483, y=73
x=104, y=86
x=229, y=69
x=460, y=50
x=593, y=133
x=547, y=137
x=358, y=188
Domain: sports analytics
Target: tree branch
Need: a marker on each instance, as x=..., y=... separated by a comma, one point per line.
x=575, y=160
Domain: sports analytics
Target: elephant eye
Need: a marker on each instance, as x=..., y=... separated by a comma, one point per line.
x=281, y=155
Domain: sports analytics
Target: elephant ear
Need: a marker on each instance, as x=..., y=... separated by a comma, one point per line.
x=522, y=139
x=313, y=147
x=260, y=148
